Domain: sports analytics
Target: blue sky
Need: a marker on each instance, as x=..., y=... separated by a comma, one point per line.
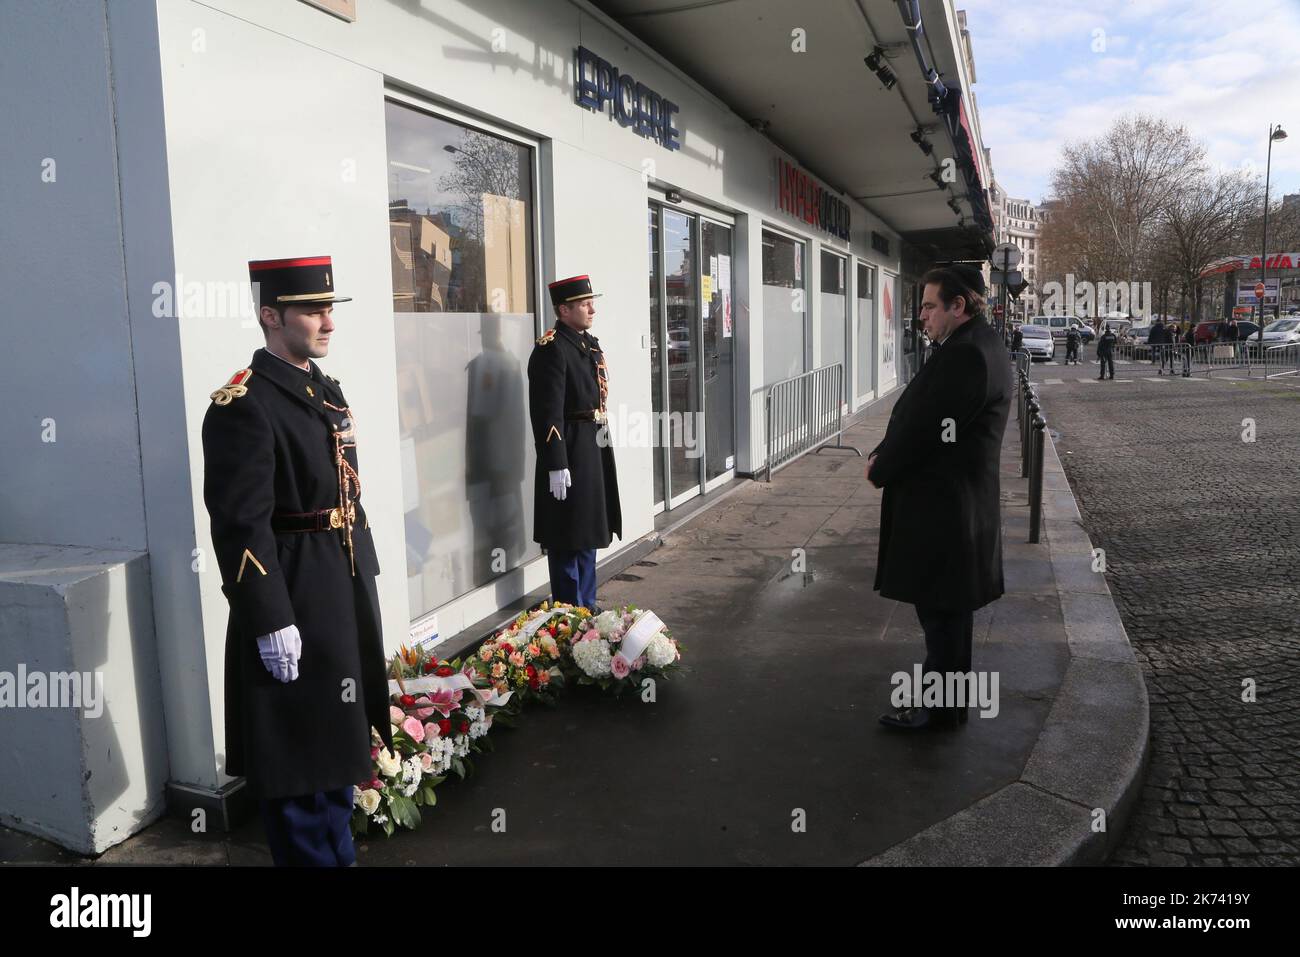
x=1060, y=70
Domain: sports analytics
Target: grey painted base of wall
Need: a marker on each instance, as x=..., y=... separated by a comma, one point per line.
x=84, y=762
x=225, y=808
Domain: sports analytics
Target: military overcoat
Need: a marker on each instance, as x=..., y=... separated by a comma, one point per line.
x=269, y=449
x=564, y=384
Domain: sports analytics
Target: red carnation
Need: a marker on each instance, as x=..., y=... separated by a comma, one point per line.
x=533, y=682
x=407, y=701
x=445, y=671
x=444, y=726
x=509, y=648
x=464, y=727
x=430, y=666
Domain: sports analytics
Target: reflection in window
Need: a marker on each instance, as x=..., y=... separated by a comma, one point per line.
x=460, y=242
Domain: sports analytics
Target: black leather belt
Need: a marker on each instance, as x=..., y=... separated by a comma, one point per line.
x=591, y=415
x=323, y=520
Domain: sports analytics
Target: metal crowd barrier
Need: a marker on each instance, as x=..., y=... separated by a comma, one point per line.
x=803, y=414
x=1206, y=358
x=1033, y=433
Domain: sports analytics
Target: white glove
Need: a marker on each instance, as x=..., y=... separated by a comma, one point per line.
x=280, y=652
x=560, y=481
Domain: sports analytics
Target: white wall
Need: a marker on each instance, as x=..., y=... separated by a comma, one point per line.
x=270, y=107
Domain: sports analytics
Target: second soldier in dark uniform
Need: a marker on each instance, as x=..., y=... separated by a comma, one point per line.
x=305, y=677
x=576, y=489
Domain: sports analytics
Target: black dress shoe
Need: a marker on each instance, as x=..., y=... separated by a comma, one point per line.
x=920, y=719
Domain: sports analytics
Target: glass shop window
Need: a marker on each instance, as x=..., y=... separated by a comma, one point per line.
x=460, y=234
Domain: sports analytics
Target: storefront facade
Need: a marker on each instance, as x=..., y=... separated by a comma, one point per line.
x=452, y=158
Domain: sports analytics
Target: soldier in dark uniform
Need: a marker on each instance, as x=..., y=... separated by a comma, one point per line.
x=576, y=489
x=305, y=674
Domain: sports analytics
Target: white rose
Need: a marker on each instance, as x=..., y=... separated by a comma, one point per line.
x=389, y=763
x=369, y=801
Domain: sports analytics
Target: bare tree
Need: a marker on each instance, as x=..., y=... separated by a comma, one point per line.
x=1204, y=222
x=1113, y=195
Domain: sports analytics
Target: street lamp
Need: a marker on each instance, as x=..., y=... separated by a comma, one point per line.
x=1274, y=133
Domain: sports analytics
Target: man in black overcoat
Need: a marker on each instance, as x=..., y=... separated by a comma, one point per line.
x=941, y=513
x=305, y=673
x=576, y=488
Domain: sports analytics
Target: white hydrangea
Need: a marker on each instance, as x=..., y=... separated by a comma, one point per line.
x=592, y=657
x=607, y=622
x=660, y=652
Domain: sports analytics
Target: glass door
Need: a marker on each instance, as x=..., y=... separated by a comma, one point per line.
x=656, y=358
x=682, y=353
x=719, y=344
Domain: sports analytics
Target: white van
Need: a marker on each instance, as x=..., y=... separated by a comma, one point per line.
x=1057, y=324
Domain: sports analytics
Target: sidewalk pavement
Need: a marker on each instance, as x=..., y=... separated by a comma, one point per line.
x=774, y=723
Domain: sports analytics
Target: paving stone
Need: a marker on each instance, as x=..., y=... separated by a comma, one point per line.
x=1149, y=480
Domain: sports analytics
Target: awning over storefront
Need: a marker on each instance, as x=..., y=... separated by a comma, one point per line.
x=814, y=97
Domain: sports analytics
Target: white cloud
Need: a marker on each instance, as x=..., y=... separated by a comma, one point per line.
x=1224, y=78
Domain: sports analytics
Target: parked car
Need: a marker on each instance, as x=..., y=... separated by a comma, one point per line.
x=1119, y=324
x=1038, y=342
x=1209, y=331
x=1281, y=332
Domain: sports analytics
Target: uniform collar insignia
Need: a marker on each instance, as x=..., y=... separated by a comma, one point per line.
x=289, y=378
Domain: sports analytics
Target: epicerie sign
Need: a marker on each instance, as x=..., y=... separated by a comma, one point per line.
x=633, y=104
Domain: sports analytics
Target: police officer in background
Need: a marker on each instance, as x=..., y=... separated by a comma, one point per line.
x=1106, y=352
x=305, y=674
x=576, y=489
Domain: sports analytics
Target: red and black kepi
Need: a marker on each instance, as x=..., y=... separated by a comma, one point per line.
x=571, y=290
x=294, y=282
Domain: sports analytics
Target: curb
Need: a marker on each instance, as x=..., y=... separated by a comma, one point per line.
x=1092, y=751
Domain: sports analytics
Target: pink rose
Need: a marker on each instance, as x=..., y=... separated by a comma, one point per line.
x=426, y=761
x=395, y=714
x=639, y=663
x=430, y=731
x=413, y=729
x=618, y=666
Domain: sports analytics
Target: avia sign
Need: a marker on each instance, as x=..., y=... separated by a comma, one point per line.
x=1237, y=263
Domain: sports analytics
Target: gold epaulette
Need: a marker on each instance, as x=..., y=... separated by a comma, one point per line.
x=546, y=337
x=237, y=386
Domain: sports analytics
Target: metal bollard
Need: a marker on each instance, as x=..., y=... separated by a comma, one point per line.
x=1026, y=441
x=1036, y=478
